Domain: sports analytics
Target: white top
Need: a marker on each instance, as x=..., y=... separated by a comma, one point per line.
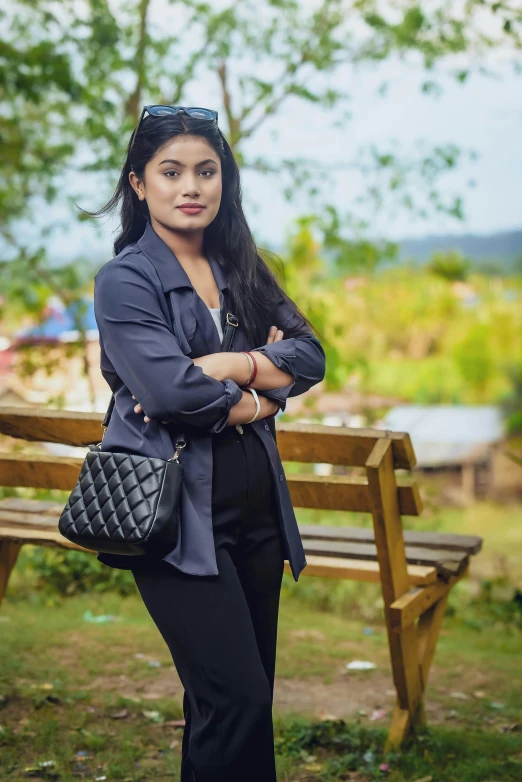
x=216, y=314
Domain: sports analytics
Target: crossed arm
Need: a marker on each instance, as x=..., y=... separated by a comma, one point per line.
x=237, y=367
x=170, y=386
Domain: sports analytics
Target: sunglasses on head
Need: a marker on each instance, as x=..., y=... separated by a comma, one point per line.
x=161, y=111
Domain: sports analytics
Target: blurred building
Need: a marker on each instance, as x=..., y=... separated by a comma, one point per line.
x=464, y=445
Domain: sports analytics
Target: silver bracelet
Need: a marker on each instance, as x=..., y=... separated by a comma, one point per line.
x=258, y=406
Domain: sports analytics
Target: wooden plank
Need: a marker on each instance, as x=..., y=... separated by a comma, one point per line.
x=416, y=601
x=340, y=492
x=471, y=544
x=27, y=509
x=428, y=631
x=316, y=566
x=39, y=538
x=336, y=492
x=39, y=424
x=359, y=570
x=414, y=555
x=296, y=442
x=394, y=577
x=39, y=471
x=341, y=445
x=30, y=506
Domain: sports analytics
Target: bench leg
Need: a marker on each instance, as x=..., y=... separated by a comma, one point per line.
x=8, y=555
x=391, y=555
x=428, y=632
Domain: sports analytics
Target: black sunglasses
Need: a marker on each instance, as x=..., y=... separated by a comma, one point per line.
x=160, y=111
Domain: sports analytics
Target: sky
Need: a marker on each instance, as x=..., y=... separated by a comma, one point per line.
x=483, y=115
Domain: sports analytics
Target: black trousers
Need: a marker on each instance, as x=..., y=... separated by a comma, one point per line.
x=222, y=630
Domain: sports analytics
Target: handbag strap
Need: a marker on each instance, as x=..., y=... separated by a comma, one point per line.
x=228, y=337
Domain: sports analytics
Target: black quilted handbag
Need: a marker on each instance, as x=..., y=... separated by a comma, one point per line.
x=128, y=504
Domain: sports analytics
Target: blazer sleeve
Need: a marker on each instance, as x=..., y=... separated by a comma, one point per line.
x=302, y=356
x=147, y=357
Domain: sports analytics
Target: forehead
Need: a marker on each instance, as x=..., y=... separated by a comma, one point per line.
x=187, y=149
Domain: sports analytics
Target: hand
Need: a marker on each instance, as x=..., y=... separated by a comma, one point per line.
x=138, y=409
x=274, y=335
x=214, y=364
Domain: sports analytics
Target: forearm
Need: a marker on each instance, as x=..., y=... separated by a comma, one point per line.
x=245, y=409
x=268, y=376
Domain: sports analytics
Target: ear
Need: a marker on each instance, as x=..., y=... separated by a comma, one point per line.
x=137, y=185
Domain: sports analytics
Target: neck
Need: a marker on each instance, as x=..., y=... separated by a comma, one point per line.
x=186, y=246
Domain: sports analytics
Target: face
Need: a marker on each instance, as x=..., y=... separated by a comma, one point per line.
x=185, y=170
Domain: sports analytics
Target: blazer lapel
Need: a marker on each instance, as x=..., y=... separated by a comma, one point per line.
x=188, y=310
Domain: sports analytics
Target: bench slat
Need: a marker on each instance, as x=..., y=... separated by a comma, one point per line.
x=332, y=492
x=296, y=442
x=334, y=567
x=471, y=544
x=446, y=563
x=359, y=570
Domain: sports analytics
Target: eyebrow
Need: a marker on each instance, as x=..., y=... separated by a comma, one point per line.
x=178, y=163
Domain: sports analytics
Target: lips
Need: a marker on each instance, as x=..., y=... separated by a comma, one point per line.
x=190, y=210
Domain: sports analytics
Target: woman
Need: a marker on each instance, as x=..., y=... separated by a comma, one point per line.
x=185, y=257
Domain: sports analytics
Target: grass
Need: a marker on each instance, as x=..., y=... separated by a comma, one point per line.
x=103, y=700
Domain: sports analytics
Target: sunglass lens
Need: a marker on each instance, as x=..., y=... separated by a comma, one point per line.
x=158, y=111
x=201, y=113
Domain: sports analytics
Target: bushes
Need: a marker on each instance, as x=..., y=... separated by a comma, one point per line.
x=57, y=571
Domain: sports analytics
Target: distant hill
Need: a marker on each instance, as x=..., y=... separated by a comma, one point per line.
x=501, y=249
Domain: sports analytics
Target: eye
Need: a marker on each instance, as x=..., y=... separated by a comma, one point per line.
x=166, y=173
x=208, y=171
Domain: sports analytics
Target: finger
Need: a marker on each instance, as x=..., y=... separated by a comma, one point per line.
x=278, y=335
x=271, y=333
x=147, y=420
x=138, y=408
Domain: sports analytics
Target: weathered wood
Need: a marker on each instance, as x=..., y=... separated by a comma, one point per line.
x=471, y=544
x=445, y=563
x=39, y=471
x=359, y=570
x=416, y=601
x=296, y=442
x=339, y=492
x=394, y=578
x=22, y=505
x=336, y=492
x=38, y=537
x=428, y=631
x=69, y=427
x=340, y=445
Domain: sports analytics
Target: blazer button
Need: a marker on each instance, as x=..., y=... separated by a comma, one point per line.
x=267, y=427
x=281, y=477
x=202, y=477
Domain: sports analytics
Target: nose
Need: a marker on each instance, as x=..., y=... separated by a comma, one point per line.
x=190, y=185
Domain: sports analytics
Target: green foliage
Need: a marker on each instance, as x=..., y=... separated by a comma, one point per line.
x=57, y=571
x=451, y=266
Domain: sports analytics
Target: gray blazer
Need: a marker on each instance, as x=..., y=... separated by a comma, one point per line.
x=147, y=349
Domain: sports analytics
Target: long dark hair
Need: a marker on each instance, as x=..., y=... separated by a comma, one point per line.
x=253, y=288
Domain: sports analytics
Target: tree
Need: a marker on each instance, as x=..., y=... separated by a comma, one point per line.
x=74, y=74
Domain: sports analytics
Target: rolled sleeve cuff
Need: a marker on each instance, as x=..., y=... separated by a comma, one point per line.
x=233, y=395
x=282, y=355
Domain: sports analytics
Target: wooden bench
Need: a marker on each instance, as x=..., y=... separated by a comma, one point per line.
x=416, y=569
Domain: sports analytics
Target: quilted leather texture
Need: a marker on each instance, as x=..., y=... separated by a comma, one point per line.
x=123, y=503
